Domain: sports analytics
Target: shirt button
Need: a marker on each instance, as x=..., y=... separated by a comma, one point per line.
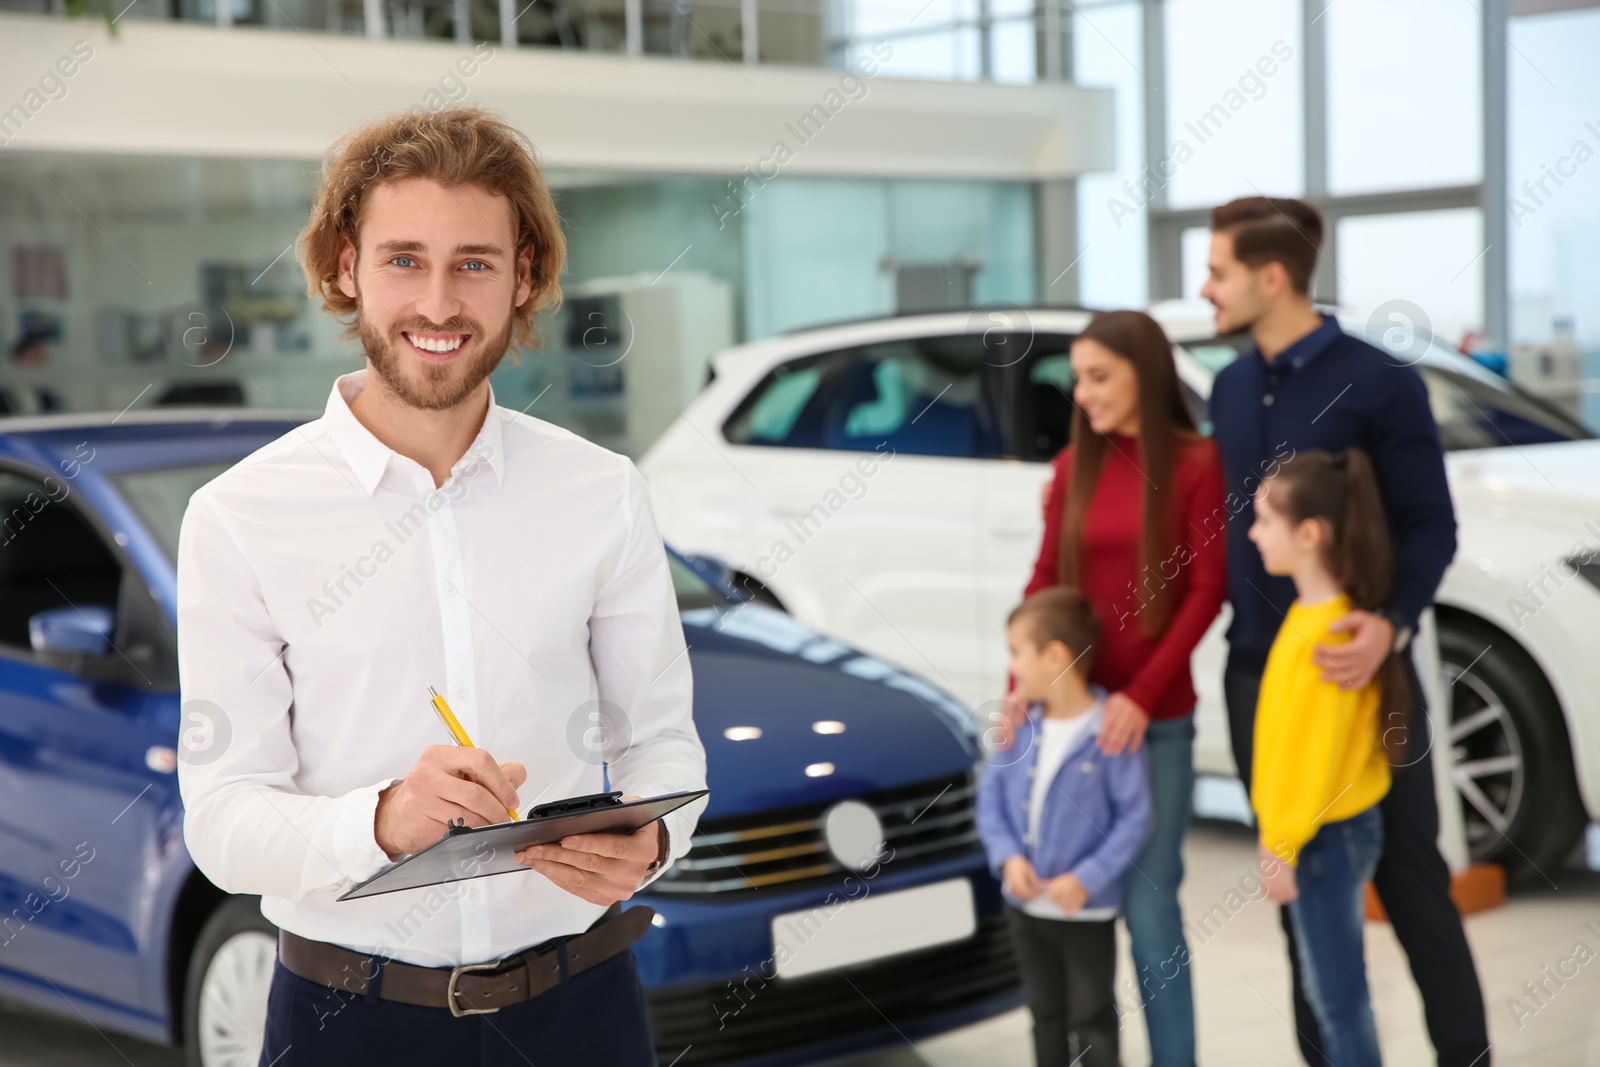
x=472, y=894
x=1027, y=839
x=449, y=590
x=461, y=692
x=1267, y=400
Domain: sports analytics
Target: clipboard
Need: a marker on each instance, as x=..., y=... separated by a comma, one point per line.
x=478, y=851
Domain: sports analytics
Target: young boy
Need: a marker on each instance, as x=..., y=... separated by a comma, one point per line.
x=1060, y=821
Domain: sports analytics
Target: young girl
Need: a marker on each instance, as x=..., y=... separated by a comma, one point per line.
x=1320, y=762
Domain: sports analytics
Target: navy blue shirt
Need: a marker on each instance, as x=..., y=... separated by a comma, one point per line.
x=1329, y=390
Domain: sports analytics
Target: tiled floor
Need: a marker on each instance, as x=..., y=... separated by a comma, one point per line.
x=1242, y=980
x=1241, y=992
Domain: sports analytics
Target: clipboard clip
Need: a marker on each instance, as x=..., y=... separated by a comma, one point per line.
x=577, y=805
x=457, y=826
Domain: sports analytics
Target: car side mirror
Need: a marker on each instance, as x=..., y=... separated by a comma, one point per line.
x=72, y=631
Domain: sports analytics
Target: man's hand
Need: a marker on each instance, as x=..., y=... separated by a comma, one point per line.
x=1122, y=725
x=1352, y=664
x=1068, y=893
x=447, y=783
x=600, y=868
x=1277, y=877
x=1021, y=878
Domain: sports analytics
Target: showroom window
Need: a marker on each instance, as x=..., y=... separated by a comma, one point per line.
x=1373, y=111
x=1402, y=116
x=1112, y=235
x=1234, y=121
x=1553, y=188
x=1426, y=265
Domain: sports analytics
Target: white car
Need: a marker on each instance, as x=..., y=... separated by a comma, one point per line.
x=881, y=480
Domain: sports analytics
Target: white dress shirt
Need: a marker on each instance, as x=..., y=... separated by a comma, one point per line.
x=324, y=584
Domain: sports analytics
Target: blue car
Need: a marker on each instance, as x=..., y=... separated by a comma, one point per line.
x=835, y=898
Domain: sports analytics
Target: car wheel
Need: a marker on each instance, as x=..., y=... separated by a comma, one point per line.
x=1512, y=761
x=225, y=997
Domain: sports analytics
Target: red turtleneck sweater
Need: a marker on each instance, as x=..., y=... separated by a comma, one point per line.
x=1151, y=671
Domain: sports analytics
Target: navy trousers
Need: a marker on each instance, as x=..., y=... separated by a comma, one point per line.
x=595, y=1017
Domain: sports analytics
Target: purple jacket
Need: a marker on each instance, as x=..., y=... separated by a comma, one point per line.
x=1094, y=819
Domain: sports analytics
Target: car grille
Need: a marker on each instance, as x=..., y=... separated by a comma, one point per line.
x=708, y=1024
x=776, y=847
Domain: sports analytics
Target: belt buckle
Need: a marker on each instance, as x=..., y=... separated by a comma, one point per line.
x=450, y=990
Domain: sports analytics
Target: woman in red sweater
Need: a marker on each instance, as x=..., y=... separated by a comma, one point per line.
x=1134, y=458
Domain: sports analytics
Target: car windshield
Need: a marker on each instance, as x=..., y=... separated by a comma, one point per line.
x=159, y=497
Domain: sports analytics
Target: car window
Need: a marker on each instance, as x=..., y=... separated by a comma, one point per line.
x=782, y=410
x=1044, y=415
x=50, y=556
x=1475, y=412
x=920, y=396
x=161, y=496
x=1472, y=410
x=778, y=406
x=1213, y=356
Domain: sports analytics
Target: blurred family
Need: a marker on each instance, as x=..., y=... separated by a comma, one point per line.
x=1318, y=508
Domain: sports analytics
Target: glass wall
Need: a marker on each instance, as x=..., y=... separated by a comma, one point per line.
x=1553, y=186
x=1371, y=110
x=1405, y=95
x=820, y=250
x=1107, y=51
x=162, y=281
x=1234, y=114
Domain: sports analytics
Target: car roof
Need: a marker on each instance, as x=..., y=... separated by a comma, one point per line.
x=899, y=327
x=154, y=437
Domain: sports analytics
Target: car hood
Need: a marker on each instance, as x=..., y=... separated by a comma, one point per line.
x=1531, y=483
x=757, y=667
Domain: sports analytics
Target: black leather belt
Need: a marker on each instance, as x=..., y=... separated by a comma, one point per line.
x=472, y=988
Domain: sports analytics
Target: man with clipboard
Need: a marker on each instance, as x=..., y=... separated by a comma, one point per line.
x=419, y=535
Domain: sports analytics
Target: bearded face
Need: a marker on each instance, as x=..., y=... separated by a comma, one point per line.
x=433, y=366
x=436, y=283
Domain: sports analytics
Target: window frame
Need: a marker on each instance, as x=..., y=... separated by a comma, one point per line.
x=138, y=621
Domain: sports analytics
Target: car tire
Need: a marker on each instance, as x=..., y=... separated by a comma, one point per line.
x=1506, y=723
x=225, y=996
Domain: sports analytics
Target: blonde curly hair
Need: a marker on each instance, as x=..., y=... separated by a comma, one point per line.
x=456, y=146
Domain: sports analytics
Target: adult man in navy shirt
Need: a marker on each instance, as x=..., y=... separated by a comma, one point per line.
x=1307, y=384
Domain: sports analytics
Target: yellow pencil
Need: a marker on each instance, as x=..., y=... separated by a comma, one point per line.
x=457, y=734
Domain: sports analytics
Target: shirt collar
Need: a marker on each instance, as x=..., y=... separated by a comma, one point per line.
x=369, y=457
x=1303, y=351
x=1036, y=709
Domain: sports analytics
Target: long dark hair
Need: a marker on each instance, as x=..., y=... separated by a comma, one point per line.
x=1164, y=422
x=1339, y=489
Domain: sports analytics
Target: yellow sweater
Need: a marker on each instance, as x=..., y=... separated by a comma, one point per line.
x=1318, y=758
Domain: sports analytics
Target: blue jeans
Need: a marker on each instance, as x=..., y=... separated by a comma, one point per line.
x=1155, y=923
x=1334, y=869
